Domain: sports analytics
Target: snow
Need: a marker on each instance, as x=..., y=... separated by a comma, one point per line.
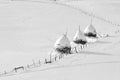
x=63, y=41
x=90, y=29
x=29, y=29
x=79, y=35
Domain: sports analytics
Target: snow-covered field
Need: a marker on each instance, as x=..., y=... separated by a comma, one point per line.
x=28, y=30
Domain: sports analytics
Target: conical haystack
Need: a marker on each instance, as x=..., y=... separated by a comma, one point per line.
x=63, y=44
x=79, y=37
x=90, y=31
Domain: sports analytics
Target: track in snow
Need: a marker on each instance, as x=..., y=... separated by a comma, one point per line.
x=72, y=7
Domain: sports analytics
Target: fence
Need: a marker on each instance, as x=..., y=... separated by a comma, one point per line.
x=34, y=64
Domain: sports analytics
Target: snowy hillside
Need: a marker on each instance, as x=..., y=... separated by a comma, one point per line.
x=28, y=30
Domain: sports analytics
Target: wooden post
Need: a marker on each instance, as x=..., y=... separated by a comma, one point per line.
x=28, y=66
x=50, y=58
x=5, y=72
x=33, y=62
x=81, y=47
x=76, y=50
x=59, y=57
x=55, y=58
x=45, y=61
x=39, y=62
x=62, y=55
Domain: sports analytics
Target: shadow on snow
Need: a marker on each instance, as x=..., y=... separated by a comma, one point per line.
x=94, y=53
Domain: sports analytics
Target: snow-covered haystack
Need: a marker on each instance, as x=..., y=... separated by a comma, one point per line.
x=79, y=40
x=61, y=46
x=90, y=33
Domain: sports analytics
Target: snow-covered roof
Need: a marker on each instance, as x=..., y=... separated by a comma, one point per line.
x=79, y=35
x=62, y=41
x=90, y=28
